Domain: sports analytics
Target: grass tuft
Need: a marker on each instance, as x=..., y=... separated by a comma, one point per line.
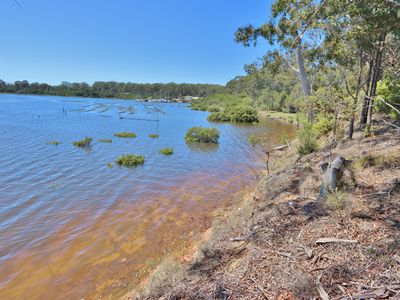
x=83, y=143
x=202, y=135
x=125, y=134
x=166, y=151
x=164, y=278
x=154, y=135
x=130, y=160
x=337, y=200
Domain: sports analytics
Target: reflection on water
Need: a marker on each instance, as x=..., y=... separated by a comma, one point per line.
x=70, y=227
x=199, y=147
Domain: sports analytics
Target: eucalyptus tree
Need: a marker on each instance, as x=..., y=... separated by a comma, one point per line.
x=295, y=30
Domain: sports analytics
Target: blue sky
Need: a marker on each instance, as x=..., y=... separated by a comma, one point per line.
x=137, y=41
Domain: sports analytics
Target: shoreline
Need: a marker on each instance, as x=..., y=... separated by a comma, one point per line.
x=220, y=221
x=263, y=247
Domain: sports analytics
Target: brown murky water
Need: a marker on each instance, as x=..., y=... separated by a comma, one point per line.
x=72, y=228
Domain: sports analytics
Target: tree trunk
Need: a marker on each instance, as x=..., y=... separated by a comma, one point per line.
x=364, y=110
x=303, y=77
x=375, y=78
x=353, y=112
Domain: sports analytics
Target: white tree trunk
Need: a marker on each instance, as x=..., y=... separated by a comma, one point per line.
x=302, y=70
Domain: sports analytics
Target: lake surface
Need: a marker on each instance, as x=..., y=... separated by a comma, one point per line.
x=71, y=227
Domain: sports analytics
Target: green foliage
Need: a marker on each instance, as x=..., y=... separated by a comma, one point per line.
x=125, y=134
x=337, y=200
x=243, y=113
x=154, y=135
x=55, y=143
x=105, y=140
x=112, y=89
x=322, y=127
x=227, y=108
x=166, y=151
x=308, y=142
x=389, y=90
x=130, y=160
x=83, y=143
x=202, y=135
x=254, y=140
x=110, y=165
x=218, y=117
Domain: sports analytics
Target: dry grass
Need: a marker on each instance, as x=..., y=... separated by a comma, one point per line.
x=166, y=276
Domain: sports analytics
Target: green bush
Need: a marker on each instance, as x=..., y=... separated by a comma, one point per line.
x=154, y=135
x=167, y=151
x=105, y=141
x=130, y=160
x=308, y=142
x=243, y=113
x=202, y=135
x=218, y=117
x=56, y=143
x=322, y=127
x=83, y=143
x=125, y=134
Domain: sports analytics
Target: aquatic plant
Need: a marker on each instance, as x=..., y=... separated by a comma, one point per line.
x=130, y=160
x=154, y=135
x=167, y=151
x=105, y=140
x=125, y=134
x=83, y=143
x=56, y=143
x=110, y=165
x=202, y=135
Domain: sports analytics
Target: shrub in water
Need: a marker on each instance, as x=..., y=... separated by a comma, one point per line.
x=218, y=117
x=167, y=151
x=202, y=135
x=243, y=113
x=308, y=142
x=154, y=135
x=125, y=134
x=83, y=143
x=105, y=141
x=130, y=160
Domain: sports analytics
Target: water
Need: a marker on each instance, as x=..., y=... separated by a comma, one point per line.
x=71, y=227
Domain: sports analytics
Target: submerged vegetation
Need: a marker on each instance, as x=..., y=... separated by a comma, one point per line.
x=105, y=140
x=125, y=134
x=55, y=143
x=83, y=143
x=130, y=160
x=167, y=151
x=154, y=135
x=202, y=135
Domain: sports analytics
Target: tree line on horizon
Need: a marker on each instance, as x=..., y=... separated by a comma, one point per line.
x=112, y=89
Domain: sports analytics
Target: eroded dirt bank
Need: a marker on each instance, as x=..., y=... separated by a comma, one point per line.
x=284, y=243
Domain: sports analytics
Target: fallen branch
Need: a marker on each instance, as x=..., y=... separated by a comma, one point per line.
x=378, y=193
x=333, y=240
x=280, y=148
x=323, y=294
x=243, y=238
x=391, y=124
